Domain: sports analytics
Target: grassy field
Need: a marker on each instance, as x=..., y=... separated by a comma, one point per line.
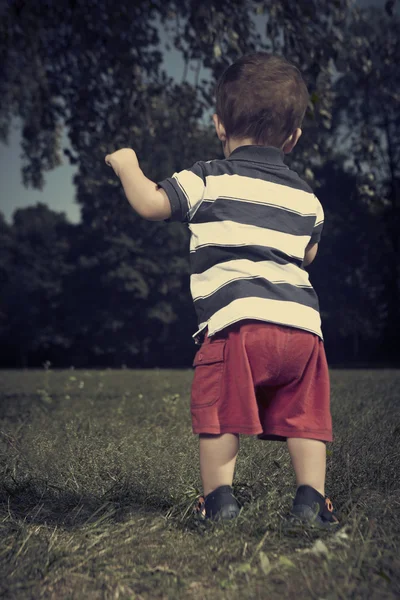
x=99, y=472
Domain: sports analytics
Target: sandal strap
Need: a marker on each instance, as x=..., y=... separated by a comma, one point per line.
x=200, y=507
x=328, y=512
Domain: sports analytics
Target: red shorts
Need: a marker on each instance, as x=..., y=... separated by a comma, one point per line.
x=262, y=379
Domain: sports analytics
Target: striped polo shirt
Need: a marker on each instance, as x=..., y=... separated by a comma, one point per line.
x=250, y=218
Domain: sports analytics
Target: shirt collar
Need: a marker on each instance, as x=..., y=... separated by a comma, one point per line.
x=264, y=154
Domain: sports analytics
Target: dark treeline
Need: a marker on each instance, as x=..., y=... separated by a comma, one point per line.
x=114, y=289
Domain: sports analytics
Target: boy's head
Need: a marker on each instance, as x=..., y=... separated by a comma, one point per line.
x=261, y=100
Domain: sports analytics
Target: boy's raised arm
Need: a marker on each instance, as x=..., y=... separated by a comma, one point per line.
x=146, y=197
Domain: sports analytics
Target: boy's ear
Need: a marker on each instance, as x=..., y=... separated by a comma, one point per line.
x=292, y=141
x=219, y=128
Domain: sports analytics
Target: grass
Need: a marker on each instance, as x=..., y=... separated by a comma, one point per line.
x=99, y=473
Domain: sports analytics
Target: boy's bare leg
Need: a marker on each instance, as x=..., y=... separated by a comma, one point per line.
x=309, y=462
x=217, y=459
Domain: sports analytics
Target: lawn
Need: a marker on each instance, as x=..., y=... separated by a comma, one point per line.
x=99, y=473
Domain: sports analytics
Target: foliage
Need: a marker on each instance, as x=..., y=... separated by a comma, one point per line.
x=367, y=110
x=347, y=272
x=122, y=294
x=31, y=305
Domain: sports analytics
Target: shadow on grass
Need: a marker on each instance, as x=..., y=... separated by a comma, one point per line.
x=35, y=501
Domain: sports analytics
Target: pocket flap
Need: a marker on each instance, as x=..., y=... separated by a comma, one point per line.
x=210, y=353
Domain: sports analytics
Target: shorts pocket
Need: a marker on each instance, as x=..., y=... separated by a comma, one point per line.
x=209, y=368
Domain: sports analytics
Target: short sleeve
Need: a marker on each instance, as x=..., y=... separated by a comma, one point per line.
x=319, y=224
x=185, y=191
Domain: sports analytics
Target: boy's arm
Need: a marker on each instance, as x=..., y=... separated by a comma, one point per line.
x=310, y=254
x=146, y=197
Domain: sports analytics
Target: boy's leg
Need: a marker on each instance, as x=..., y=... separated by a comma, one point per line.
x=309, y=462
x=217, y=459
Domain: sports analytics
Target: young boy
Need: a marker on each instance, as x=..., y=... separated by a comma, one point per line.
x=261, y=369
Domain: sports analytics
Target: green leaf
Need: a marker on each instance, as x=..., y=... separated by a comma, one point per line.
x=243, y=567
x=265, y=563
x=286, y=562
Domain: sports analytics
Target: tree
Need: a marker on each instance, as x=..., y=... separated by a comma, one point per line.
x=114, y=93
x=7, y=247
x=96, y=69
x=346, y=272
x=367, y=109
x=35, y=265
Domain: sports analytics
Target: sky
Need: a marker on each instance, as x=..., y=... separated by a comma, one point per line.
x=59, y=192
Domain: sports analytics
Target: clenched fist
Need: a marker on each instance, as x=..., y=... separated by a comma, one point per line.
x=121, y=159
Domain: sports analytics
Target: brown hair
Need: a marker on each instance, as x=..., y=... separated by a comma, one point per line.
x=263, y=97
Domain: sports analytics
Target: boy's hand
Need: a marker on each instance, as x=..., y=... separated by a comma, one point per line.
x=121, y=158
